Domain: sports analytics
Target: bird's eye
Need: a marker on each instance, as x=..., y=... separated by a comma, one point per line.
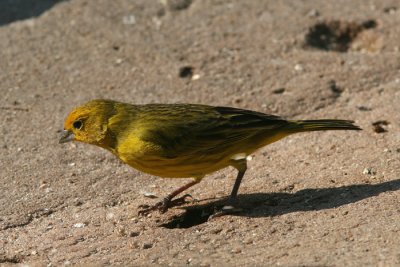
x=77, y=124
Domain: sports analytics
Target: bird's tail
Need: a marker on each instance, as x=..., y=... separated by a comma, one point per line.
x=320, y=125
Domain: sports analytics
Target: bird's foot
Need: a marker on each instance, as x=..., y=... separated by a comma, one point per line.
x=230, y=207
x=163, y=205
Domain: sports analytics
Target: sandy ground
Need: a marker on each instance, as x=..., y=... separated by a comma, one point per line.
x=313, y=199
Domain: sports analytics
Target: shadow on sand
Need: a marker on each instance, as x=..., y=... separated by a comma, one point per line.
x=273, y=204
x=13, y=10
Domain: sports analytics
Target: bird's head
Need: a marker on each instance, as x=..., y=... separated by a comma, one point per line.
x=88, y=123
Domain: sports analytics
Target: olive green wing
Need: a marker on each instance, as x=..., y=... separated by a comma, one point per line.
x=195, y=130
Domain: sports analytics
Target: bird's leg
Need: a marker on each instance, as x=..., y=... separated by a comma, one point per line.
x=168, y=201
x=241, y=166
x=229, y=207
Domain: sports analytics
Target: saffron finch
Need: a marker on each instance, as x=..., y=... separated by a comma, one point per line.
x=183, y=140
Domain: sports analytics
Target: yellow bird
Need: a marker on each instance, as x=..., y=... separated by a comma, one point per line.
x=183, y=140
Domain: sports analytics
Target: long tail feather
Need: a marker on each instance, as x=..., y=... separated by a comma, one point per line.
x=321, y=125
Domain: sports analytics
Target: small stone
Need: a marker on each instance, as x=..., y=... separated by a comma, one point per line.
x=298, y=67
x=121, y=231
x=177, y=5
x=364, y=108
x=279, y=91
x=369, y=171
x=228, y=208
x=186, y=72
x=380, y=126
x=216, y=231
x=313, y=13
x=147, y=245
x=110, y=216
x=236, y=250
x=129, y=20
x=79, y=225
x=134, y=234
x=248, y=241
x=238, y=100
x=390, y=10
x=195, y=77
x=134, y=244
x=77, y=202
x=149, y=194
x=157, y=22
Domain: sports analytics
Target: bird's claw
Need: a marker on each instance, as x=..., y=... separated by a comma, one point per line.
x=163, y=205
x=181, y=200
x=225, y=210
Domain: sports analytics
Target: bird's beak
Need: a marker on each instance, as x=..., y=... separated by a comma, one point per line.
x=67, y=136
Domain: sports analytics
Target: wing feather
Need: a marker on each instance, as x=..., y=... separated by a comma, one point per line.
x=196, y=130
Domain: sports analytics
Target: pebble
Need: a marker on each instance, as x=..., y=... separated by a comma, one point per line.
x=298, y=67
x=177, y=5
x=248, y=241
x=236, y=250
x=129, y=20
x=110, y=216
x=147, y=245
x=195, y=77
x=149, y=194
x=390, y=10
x=79, y=225
x=134, y=219
x=279, y=91
x=134, y=234
x=313, y=13
x=368, y=171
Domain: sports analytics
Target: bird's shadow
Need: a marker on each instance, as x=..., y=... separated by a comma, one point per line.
x=13, y=10
x=274, y=204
